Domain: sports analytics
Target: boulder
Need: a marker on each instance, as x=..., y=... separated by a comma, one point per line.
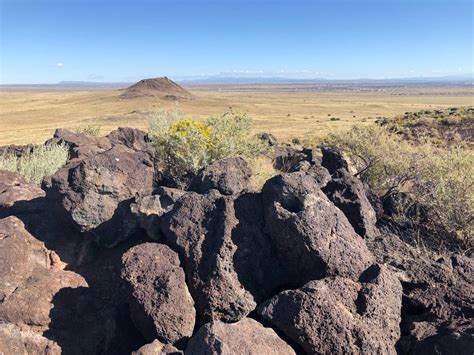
x=157, y=348
x=340, y=316
x=17, y=196
x=148, y=210
x=349, y=195
x=229, y=176
x=229, y=262
x=96, y=192
x=247, y=336
x=160, y=304
x=286, y=159
x=312, y=236
x=268, y=138
x=16, y=150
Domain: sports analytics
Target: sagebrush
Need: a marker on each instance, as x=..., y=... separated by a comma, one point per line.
x=185, y=145
x=43, y=160
x=441, y=179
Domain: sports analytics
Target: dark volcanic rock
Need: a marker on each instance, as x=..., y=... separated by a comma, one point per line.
x=132, y=138
x=80, y=145
x=17, y=196
x=16, y=150
x=229, y=176
x=340, y=316
x=160, y=304
x=30, y=278
x=149, y=209
x=96, y=191
x=247, y=336
x=349, y=195
x=438, y=306
x=332, y=159
x=229, y=263
x=268, y=138
x=312, y=236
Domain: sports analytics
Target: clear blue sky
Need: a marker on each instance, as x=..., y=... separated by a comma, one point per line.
x=46, y=41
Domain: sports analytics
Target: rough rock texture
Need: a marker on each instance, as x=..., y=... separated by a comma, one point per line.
x=229, y=176
x=313, y=236
x=130, y=137
x=268, y=138
x=160, y=304
x=17, y=196
x=350, y=196
x=229, y=263
x=332, y=160
x=14, y=340
x=438, y=312
x=157, y=348
x=80, y=145
x=340, y=316
x=96, y=191
x=149, y=209
x=247, y=336
x=30, y=278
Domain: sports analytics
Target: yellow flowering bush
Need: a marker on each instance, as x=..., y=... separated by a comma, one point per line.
x=184, y=145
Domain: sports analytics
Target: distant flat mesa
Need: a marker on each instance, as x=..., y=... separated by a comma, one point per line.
x=158, y=87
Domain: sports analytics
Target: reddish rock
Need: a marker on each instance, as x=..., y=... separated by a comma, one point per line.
x=247, y=336
x=160, y=304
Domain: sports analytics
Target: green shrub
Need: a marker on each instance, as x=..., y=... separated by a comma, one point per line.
x=439, y=178
x=89, y=129
x=184, y=145
x=43, y=161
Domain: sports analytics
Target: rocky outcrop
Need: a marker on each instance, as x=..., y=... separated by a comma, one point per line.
x=340, y=316
x=78, y=273
x=230, y=264
x=247, y=336
x=229, y=176
x=160, y=304
x=313, y=236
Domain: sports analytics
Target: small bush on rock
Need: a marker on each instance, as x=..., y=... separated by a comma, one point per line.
x=185, y=145
x=89, y=129
x=43, y=161
x=439, y=178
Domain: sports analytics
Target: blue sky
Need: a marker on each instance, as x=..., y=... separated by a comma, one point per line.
x=46, y=41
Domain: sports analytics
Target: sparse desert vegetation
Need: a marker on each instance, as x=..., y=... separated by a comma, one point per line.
x=30, y=116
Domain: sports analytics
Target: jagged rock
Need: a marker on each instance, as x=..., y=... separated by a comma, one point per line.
x=437, y=296
x=157, y=348
x=96, y=191
x=149, y=209
x=312, y=236
x=15, y=193
x=247, y=336
x=229, y=176
x=132, y=138
x=14, y=340
x=80, y=145
x=160, y=304
x=229, y=263
x=340, y=316
x=332, y=159
x=320, y=174
x=349, y=195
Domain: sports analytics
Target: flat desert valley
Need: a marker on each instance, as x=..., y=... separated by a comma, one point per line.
x=31, y=114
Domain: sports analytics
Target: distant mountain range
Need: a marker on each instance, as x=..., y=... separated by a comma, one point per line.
x=220, y=79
